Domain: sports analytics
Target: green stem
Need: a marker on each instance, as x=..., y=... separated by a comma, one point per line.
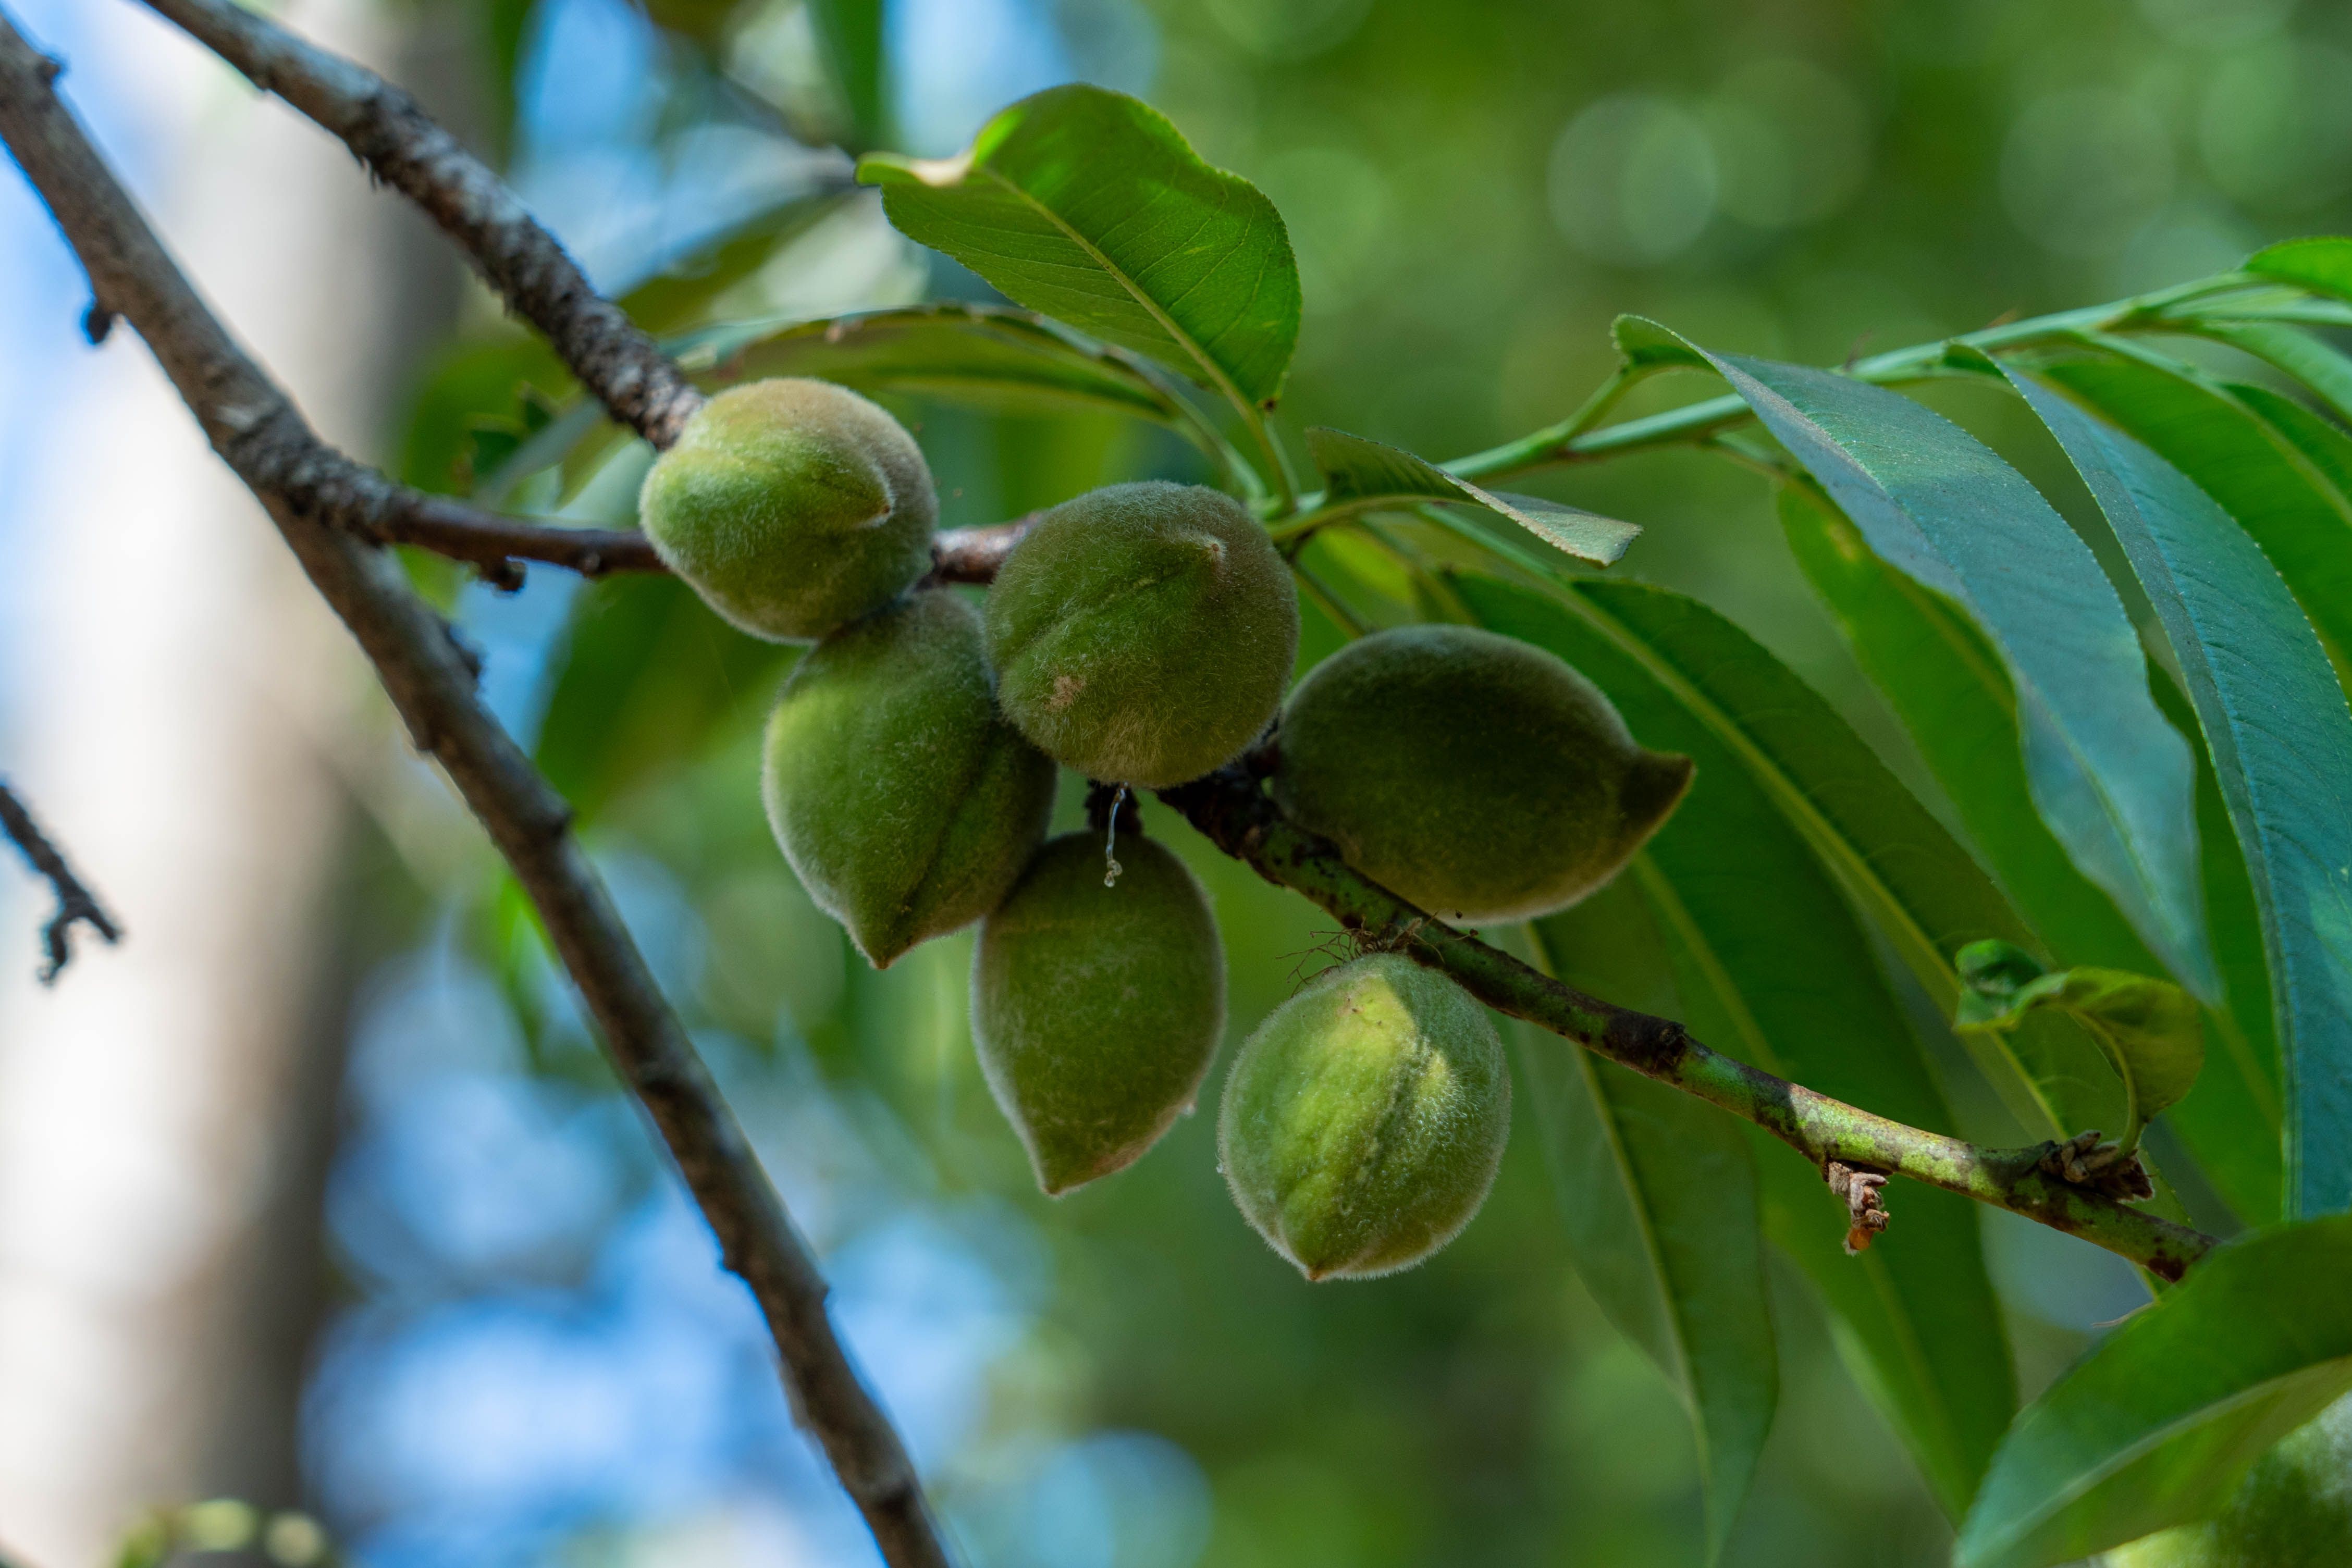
x=1236, y=816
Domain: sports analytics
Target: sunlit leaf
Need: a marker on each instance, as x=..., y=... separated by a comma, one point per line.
x=1771, y=966
x=2113, y=780
x=2322, y=264
x=2156, y=1425
x=2280, y=735
x=1088, y=205
x=1659, y=1193
x=1362, y=475
x=2151, y=1028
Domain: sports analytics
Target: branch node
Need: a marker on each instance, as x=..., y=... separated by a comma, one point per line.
x=2083, y=1161
x=96, y=323
x=50, y=68
x=1859, y=1187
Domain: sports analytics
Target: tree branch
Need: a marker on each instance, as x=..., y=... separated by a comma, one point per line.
x=619, y=364
x=75, y=901
x=257, y=433
x=1237, y=816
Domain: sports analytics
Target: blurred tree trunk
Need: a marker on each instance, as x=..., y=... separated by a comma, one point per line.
x=166, y=1112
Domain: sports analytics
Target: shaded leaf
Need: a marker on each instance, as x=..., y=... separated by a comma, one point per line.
x=858, y=60
x=1088, y=205
x=1361, y=474
x=2156, y=1425
x=2324, y=369
x=1644, y=344
x=1772, y=966
x=1658, y=1190
x=2151, y=1030
x=2112, y=779
x=2280, y=736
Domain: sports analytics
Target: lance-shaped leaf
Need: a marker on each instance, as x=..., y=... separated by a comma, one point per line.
x=1645, y=345
x=1771, y=966
x=2322, y=264
x=1364, y=476
x=2151, y=1030
x=2157, y=1424
x=2280, y=735
x=1951, y=692
x=1088, y=205
x=1658, y=1190
x=2328, y=371
x=2110, y=777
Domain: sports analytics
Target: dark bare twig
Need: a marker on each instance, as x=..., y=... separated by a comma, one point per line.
x=76, y=903
x=259, y=433
x=622, y=366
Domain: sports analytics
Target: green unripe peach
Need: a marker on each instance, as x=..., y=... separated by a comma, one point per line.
x=1097, y=1009
x=1364, y=1120
x=1472, y=774
x=906, y=805
x=1143, y=633
x=2292, y=1511
x=791, y=507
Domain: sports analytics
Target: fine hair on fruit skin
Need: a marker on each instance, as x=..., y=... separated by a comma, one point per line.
x=1476, y=775
x=1097, y=1009
x=1364, y=1120
x=905, y=803
x=793, y=507
x=1143, y=633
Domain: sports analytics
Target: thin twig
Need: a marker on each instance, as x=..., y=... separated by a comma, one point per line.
x=259, y=433
x=1237, y=815
x=619, y=364
x=76, y=903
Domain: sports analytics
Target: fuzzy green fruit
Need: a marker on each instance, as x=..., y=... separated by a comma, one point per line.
x=792, y=507
x=1364, y=1120
x=905, y=803
x=1474, y=775
x=1143, y=633
x=1097, y=1009
x=2292, y=1511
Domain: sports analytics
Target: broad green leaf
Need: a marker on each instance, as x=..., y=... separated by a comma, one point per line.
x=2113, y=780
x=1772, y=966
x=1089, y=206
x=2280, y=736
x=1897, y=863
x=2322, y=264
x=858, y=60
x=1954, y=698
x=2274, y=491
x=2156, y=1425
x=1362, y=475
x=2151, y=1030
x=1658, y=1190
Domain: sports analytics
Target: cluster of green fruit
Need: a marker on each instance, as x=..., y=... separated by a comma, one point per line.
x=1143, y=636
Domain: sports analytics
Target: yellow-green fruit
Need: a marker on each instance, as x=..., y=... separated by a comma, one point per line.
x=1364, y=1120
x=2292, y=1511
x=1143, y=633
x=1097, y=1009
x=1472, y=774
x=793, y=507
x=905, y=803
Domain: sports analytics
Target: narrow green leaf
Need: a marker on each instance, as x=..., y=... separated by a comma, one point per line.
x=2319, y=440
x=859, y=62
x=2158, y=1423
x=1772, y=966
x=1362, y=475
x=2322, y=264
x=1658, y=1190
x=2272, y=490
x=2113, y=780
x=680, y=297
x=1088, y=205
x=1952, y=694
x=1644, y=344
x=2324, y=369
x=2151, y=1030
x=2280, y=736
